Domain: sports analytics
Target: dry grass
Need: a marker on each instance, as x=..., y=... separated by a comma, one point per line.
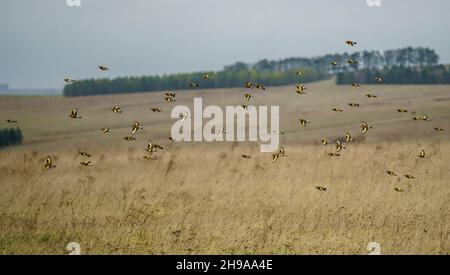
x=198, y=198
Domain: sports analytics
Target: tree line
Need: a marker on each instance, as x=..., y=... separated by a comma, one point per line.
x=439, y=74
x=274, y=72
x=10, y=137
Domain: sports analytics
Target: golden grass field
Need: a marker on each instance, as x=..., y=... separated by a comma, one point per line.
x=204, y=198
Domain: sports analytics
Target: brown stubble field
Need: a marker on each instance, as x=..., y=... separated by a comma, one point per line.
x=198, y=198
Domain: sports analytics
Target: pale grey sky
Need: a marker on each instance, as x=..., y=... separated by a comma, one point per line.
x=42, y=41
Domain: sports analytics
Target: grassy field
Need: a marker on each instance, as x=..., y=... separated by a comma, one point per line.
x=198, y=198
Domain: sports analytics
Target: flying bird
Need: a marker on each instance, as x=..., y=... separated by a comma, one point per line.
x=246, y=156
x=334, y=63
x=409, y=177
x=300, y=73
x=194, y=85
x=156, y=110
x=103, y=68
x=391, y=173
x=321, y=188
x=379, y=79
x=334, y=154
x=438, y=129
x=348, y=137
x=365, y=127
x=207, y=77
x=245, y=107
x=356, y=85
x=402, y=110
x=74, y=114
x=116, y=109
x=398, y=189
x=371, y=96
x=259, y=86
x=183, y=116
x=248, y=85
x=86, y=163
x=130, y=138
x=136, y=126
x=105, y=130
x=350, y=43
x=351, y=104
x=248, y=96
x=169, y=99
x=303, y=122
x=337, y=110
x=170, y=94
x=153, y=147
x=221, y=131
x=49, y=163
x=421, y=154
x=339, y=146
x=84, y=154
x=11, y=121
x=352, y=62
x=68, y=80
x=324, y=141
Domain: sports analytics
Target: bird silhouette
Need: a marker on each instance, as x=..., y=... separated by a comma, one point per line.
x=74, y=114
x=49, y=163
x=103, y=68
x=350, y=43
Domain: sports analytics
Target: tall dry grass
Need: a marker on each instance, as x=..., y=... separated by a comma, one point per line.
x=194, y=200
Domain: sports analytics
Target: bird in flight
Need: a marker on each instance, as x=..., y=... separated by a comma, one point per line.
x=246, y=156
x=398, y=189
x=422, y=117
x=300, y=73
x=438, y=129
x=303, y=122
x=68, y=80
x=402, y=110
x=391, y=173
x=194, y=85
x=74, y=114
x=259, y=86
x=321, y=188
x=334, y=154
x=84, y=154
x=11, y=121
x=281, y=153
x=170, y=94
x=156, y=110
x=136, y=126
x=348, y=137
x=350, y=43
x=49, y=163
x=86, y=163
x=221, y=131
x=116, y=109
x=409, y=177
x=105, y=130
x=169, y=99
x=103, y=68
x=371, y=96
x=337, y=110
x=248, y=85
x=129, y=138
x=339, y=146
x=324, y=141
x=379, y=79
x=208, y=77
x=351, y=104
x=421, y=154
x=356, y=85
x=365, y=127
x=153, y=147
x=248, y=96
x=334, y=63
x=352, y=62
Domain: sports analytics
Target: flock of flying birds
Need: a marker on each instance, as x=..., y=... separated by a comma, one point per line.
x=300, y=89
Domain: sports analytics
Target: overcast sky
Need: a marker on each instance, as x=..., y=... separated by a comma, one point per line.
x=42, y=41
